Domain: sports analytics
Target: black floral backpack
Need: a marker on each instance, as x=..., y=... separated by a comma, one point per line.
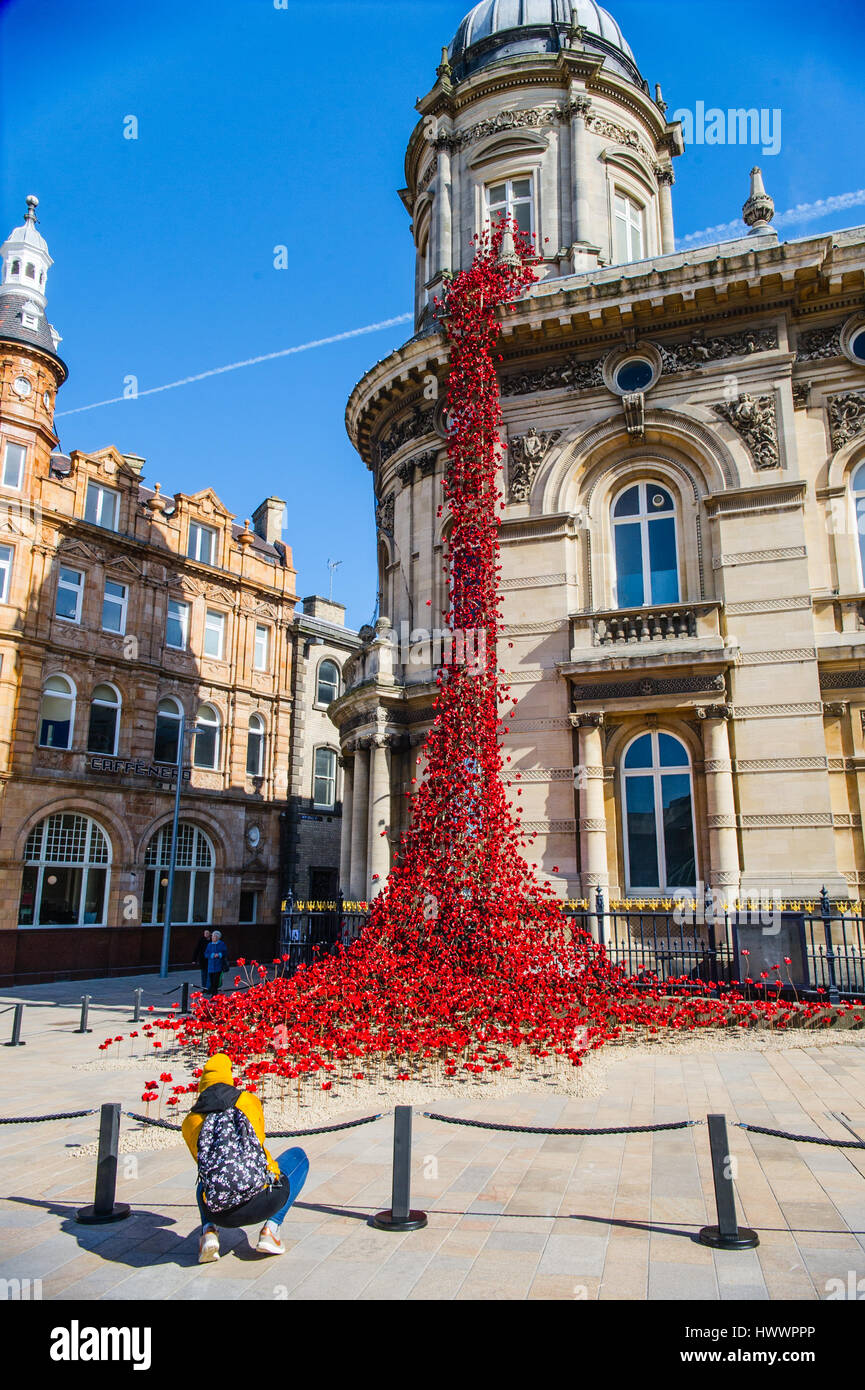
x=232, y=1164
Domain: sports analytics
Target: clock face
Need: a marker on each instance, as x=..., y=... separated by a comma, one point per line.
x=22, y=386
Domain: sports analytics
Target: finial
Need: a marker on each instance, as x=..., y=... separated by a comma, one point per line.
x=576, y=31
x=508, y=251
x=156, y=504
x=32, y=204
x=759, y=210
x=246, y=536
x=444, y=68
x=659, y=98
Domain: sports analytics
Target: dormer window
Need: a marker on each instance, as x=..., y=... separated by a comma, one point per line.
x=29, y=318
x=102, y=506
x=201, y=545
x=512, y=199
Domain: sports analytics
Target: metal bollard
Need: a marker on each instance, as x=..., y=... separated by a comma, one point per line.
x=728, y=1234
x=400, y=1217
x=85, y=1010
x=17, y=1019
x=136, y=1013
x=104, y=1207
x=184, y=998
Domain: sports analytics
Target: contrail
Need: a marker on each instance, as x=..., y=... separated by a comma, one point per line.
x=802, y=212
x=248, y=362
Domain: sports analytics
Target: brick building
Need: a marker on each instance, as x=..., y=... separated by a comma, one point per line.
x=130, y=619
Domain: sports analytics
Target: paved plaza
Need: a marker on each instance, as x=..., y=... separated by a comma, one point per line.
x=511, y=1216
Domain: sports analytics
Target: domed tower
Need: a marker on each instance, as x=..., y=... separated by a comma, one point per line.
x=30, y=369
x=540, y=112
x=656, y=431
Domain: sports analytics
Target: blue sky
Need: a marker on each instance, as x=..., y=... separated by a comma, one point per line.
x=260, y=127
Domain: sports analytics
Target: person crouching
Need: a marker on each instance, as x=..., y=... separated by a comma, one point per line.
x=239, y=1182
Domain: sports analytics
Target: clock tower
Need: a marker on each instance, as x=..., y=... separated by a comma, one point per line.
x=30, y=369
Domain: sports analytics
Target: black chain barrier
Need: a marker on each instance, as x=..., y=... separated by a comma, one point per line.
x=804, y=1138
x=37, y=1119
x=272, y=1134
x=533, y=1129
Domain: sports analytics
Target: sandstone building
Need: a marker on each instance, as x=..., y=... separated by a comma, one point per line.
x=136, y=626
x=684, y=476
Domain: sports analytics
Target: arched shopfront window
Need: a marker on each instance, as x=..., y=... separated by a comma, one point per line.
x=104, y=723
x=57, y=713
x=658, y=814
x=644, y=542
x=193, y=876
x=327, y=685
x=857, y=488
x=255, y=746
x=166, y=745
x=205, y=751
x=66, y=873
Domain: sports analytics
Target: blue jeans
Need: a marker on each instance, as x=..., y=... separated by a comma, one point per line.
x=294, y=1167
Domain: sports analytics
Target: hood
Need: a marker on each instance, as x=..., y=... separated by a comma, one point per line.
x=216, y=1087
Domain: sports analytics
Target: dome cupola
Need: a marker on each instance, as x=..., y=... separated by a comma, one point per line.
x=498, y=29
x=26, y=262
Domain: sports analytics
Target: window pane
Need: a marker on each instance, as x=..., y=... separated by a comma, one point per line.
x=28, y=896
x=629, y=565
x=201, y=897
x=678, y=831
x=657, y=499
x=114, y=607
x=642, y=838
x=102, y=733
x=56, y=725
x=620, y=241
x=498, y=194
x=671, y=753
x=205, y=746
x=662, y=559
x=254, y=748
x=167, y=734
x=94, y=897
x=61, y=899
x=175, y=626
x=13, y=464
x=629, y=503
x=640, y=752
x=523, y=216
x=213, y=630
x=67, y=603
x=522, y=188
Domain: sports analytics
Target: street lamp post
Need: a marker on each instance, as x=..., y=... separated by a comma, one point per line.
x=172, y=863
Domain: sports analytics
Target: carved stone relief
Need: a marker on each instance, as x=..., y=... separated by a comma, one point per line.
x=753, y=417
x=527, y=453
x=846, y=417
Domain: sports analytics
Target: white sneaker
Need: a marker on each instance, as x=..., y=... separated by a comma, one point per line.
x=269, y=1242
x=208, y=1246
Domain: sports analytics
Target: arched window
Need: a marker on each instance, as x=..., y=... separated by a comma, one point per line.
x=205, y=752
x=644, y=542
x=166, y=745
x=857, y=488
x=57, y=713
x=658, y=814
x=327, y=686
x=15, y=268
x=255, y=746
x=104, y=720
x=193, y=876
x=30, y=270
x=324, y=779
x=66, y=873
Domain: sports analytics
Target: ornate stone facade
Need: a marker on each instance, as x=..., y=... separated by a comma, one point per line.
x=640, y=391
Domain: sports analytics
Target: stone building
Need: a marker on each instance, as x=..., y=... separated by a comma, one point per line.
x=122, y=612
x=315, y=824
x=684, y=475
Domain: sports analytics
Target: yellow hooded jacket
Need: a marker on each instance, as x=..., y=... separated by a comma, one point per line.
x=218, y=1071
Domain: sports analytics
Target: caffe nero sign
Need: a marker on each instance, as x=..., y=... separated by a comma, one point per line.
x=135, y=767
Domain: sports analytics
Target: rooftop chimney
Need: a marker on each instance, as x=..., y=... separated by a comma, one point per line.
x=268, y=519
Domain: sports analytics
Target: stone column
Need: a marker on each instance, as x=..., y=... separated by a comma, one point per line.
x=665, y=199
x=359, y=821
x=442, y=243
x=378, y=861
x=723, y=872
x=347, y=765
x=593, y=821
